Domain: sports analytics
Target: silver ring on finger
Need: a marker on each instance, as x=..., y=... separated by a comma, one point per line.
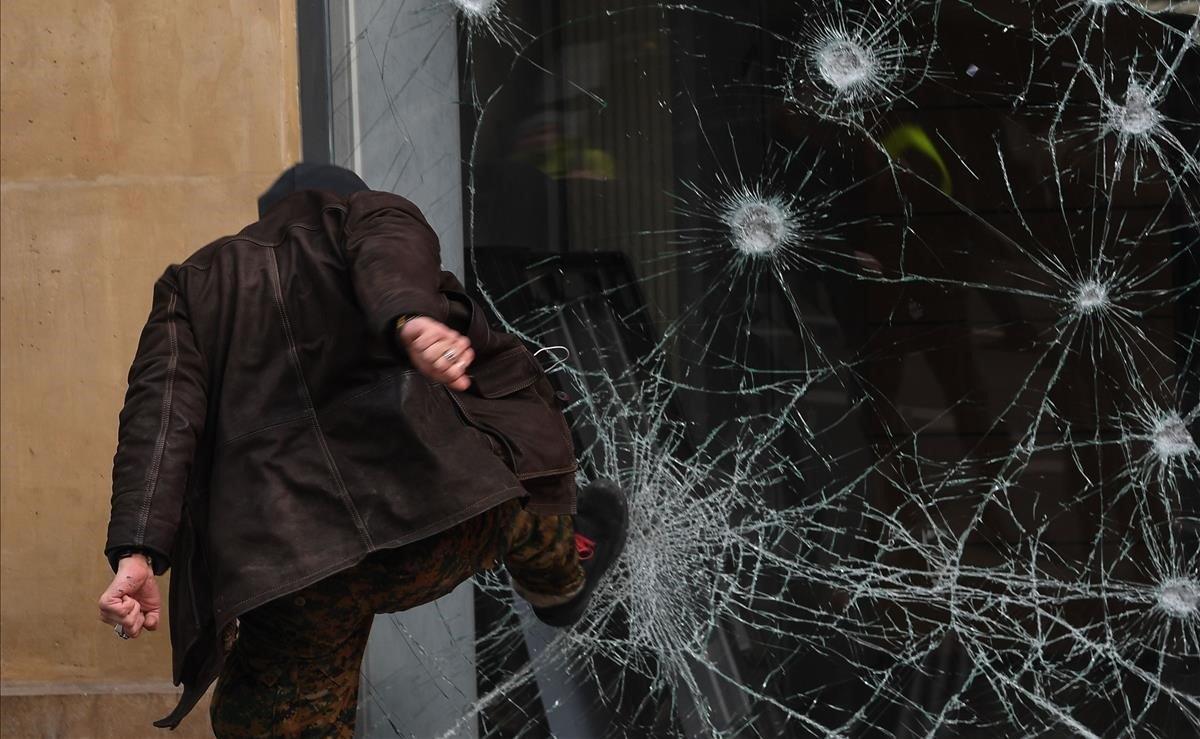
x=449, y=354
x=119, y=630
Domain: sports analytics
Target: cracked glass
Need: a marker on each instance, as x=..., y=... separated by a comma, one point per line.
x=885, y=315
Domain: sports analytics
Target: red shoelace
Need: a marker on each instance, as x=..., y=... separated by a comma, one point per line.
x=584, y=546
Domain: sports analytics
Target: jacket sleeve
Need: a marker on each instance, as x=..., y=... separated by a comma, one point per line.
x=160, y=424
x=394, y=260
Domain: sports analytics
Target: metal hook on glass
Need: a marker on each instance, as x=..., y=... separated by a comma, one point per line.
x=559, y=362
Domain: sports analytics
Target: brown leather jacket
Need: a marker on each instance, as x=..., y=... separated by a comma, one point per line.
x=273, y=433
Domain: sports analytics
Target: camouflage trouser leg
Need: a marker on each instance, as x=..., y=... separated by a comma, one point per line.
x=294, y=668
x=542, y=561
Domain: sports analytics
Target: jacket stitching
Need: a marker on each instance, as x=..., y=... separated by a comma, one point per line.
x=273, y=244
x=270, y=244
x=386, y=380
x=546, y=473
x=515, y=385
x=304, y=416
x=164, y=424
x=334, y=472
x=231, y=240
x=260, y=429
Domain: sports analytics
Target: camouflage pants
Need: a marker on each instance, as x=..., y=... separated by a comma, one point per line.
x=293, y=670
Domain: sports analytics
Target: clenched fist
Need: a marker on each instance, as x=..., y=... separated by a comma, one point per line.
x=132, y=600
x=427, y=341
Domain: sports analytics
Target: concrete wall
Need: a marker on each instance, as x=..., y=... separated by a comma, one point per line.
x=132, y=134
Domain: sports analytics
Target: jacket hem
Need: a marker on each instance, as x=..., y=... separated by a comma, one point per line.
x=160, y=444
x=437, y=527
x=193, y=691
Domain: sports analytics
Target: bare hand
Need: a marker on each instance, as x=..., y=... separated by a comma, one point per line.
x=427, y=340
x=132, y=600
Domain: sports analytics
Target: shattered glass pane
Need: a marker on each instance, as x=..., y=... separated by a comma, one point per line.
x=885, y=314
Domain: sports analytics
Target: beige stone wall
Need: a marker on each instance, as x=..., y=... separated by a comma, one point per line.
x=131, y=134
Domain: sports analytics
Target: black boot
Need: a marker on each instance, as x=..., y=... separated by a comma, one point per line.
x=601, y=523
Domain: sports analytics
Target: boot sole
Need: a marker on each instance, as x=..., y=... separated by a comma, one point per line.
x=570, y=612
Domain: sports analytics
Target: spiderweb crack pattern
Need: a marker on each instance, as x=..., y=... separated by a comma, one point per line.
x=852, y=61
x=912, y=444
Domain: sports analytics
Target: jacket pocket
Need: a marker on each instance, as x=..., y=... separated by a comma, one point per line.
x=512, y=370
x=511, y=398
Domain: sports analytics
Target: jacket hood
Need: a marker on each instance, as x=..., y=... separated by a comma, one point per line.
x=305, y=176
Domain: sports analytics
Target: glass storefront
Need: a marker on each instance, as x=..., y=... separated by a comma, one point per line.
x=884, y=314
